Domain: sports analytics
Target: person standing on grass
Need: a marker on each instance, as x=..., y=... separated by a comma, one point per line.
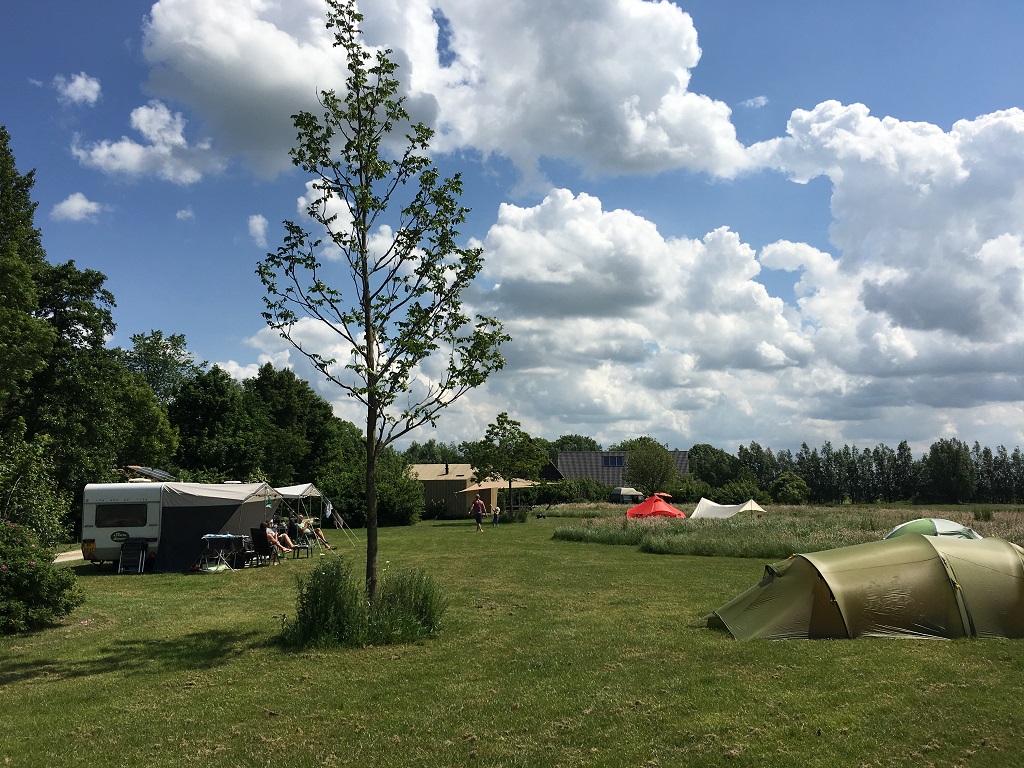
x=494, y=515
x=478, y=512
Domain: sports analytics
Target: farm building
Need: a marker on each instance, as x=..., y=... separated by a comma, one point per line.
x=442, y=485
x=606, y=467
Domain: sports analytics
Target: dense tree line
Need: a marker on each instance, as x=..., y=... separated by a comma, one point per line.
x=75, y=411
x=950, y=472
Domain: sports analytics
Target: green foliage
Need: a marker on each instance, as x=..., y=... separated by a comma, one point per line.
x=739, y=490
x=33, y=591
x=950, y=471
x=399, y=494
x=163, y=361
x=712, y=465
x=570, y=491
x=690, y=488
x=400, y=302
x=221, y=432
x=332, y=609
x=409, y=607
x=789, y=488
x=649, y=466
x=60, y=380
x=575, y=442
x=25, y=338
x=28, y=494
x=506, y=452
x=433, y=452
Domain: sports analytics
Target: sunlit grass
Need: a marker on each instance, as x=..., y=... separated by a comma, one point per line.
x=551, y=654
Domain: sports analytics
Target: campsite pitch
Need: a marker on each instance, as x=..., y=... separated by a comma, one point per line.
x=553, y=653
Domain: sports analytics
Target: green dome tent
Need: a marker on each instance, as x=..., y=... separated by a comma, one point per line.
x=933, y=526
x=908, y=586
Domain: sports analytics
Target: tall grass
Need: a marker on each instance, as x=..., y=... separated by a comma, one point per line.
x=409, y=607
x=332, y=609
x=779, y=532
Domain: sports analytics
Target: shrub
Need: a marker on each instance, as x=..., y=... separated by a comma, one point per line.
x=33, y=591
x=409, y=606
x=28, y=489
x=332, y=609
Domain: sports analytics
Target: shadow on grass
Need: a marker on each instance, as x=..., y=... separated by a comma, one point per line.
x=199, y=650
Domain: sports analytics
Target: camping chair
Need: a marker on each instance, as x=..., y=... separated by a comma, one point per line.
x=263, y=552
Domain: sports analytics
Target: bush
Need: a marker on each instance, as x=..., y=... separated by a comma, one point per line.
x=332, y=609
x=28, y=488
x=983, y=514
x=409, y=606
x=33, y=591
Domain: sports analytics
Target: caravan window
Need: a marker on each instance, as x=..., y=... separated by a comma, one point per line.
x=120, y=515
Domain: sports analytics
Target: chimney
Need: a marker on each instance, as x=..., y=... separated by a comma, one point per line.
x=446, y=467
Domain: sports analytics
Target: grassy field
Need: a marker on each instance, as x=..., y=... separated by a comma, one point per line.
x=553, y=653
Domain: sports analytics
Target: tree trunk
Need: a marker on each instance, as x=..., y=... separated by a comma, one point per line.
x=371, y=500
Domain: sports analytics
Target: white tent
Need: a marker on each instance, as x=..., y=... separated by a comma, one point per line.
x=301, y=499
x=708, y=508
x=304, y=491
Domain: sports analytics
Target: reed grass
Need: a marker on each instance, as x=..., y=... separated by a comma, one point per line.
x=779, y=532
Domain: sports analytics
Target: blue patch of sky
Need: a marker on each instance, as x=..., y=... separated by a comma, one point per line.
x=445, y=54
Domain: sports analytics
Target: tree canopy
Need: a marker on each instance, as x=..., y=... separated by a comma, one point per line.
x=649, y=467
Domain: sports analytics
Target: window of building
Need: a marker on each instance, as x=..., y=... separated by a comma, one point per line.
x=613, y=461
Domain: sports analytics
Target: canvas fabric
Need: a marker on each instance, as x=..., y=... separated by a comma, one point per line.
x=910, y=586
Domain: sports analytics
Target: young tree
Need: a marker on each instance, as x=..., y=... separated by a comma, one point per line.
x=506, y=453
x=392, y=221
x=649, y=467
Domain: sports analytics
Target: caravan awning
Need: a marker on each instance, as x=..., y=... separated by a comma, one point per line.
x=209, y=494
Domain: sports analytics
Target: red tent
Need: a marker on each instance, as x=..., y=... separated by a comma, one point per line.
x=655, y=506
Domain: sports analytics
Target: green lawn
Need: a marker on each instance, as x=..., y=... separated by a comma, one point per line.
x=553, y=653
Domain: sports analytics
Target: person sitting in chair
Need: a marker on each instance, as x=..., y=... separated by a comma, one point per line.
x=305, y=526
x=279, y=543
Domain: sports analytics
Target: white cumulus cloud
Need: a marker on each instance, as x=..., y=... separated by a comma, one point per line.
x=77, y=89
x=258, y=229
x=76, y=207
x=164, y=151
x=604, y=83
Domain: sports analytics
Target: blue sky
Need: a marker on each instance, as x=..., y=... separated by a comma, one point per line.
x=705, y=221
